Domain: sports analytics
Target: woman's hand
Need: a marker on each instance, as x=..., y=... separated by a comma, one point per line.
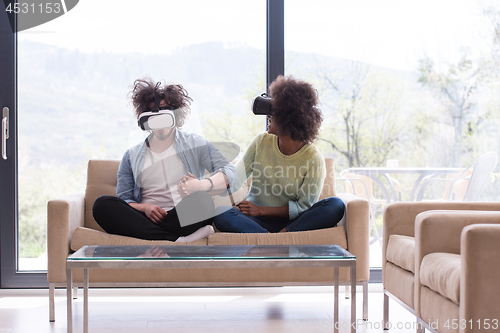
x=187, y=185
x=250, y=209
x=190, y=184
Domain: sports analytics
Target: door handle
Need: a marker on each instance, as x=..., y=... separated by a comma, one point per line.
x=5, y=131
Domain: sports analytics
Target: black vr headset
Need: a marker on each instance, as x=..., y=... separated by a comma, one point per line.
x=158, y=117
x=261, y=105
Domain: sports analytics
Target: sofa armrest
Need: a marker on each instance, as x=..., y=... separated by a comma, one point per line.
x=479, y=287
x=440, y=231
x=63, y=217
x=357, y=226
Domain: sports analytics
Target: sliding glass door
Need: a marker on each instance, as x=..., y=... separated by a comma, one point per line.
x=402, y=84
x=73, y=77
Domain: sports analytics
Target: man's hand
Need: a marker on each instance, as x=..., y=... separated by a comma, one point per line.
x=250, y=209
x=154, y=213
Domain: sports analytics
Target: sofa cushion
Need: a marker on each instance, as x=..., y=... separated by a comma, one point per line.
x=440, y=272
x=401, y=252
x=85, y=236
x=334, y=235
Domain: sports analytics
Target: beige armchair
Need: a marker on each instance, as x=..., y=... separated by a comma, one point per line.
x=457, y=270
x=439, y=262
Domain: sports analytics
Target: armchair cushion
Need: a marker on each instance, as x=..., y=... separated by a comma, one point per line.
x=401, y=252
x=399, y=282
x=440, y=272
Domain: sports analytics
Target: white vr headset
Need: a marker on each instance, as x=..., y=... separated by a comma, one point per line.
x=158, y=119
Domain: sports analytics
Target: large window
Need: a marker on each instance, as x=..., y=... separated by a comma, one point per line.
x=75, y=73
x=402, y=84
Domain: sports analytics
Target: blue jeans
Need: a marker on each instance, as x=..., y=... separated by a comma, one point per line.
x=325, y=213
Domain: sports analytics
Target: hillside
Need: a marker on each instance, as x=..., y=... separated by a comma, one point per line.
x=74, y=105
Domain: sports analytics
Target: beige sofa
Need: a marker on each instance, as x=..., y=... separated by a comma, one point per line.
x=71, y=225
x=440, y=261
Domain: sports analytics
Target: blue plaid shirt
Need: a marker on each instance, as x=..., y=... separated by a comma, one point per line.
x=195, y=152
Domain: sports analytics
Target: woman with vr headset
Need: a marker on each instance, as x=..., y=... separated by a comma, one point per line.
x=161, y=191
x=287, y=170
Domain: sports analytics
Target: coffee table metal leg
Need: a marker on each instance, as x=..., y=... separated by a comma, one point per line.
x=365, y=301
x=353, y=298
x=85, y=300
x=336, y=301
x=52, y=314
x=69, y=299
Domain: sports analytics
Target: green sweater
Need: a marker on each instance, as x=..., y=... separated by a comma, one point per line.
x=277, y=179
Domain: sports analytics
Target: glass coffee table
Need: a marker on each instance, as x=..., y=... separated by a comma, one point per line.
x=211, y=256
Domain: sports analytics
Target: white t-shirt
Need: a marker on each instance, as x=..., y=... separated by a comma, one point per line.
x=159, y=178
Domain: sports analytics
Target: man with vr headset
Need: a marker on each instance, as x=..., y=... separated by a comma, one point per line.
x=162, y=192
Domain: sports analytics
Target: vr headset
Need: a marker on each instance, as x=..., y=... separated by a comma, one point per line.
x=261, y=105
x=158, y=117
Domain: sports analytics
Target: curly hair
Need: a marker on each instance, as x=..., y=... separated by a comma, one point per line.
x=143, y=94
x=295, y=112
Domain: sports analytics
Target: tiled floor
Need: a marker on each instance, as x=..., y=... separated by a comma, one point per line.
x=285, y=309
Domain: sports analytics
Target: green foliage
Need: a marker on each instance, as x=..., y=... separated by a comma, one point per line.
x=30, y=248
x=367, y=115
x=36, y=187
x=456, y=87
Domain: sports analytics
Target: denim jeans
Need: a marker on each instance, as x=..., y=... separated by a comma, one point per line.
x=325, y=213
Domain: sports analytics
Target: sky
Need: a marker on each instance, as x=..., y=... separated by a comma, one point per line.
x=388, y=33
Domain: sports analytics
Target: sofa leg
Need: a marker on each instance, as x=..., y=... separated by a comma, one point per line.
x=52, y=313
x=347, y=292
x=386, y=312
x=365, y=301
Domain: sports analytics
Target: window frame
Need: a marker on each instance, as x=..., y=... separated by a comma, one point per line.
x=10, y=277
